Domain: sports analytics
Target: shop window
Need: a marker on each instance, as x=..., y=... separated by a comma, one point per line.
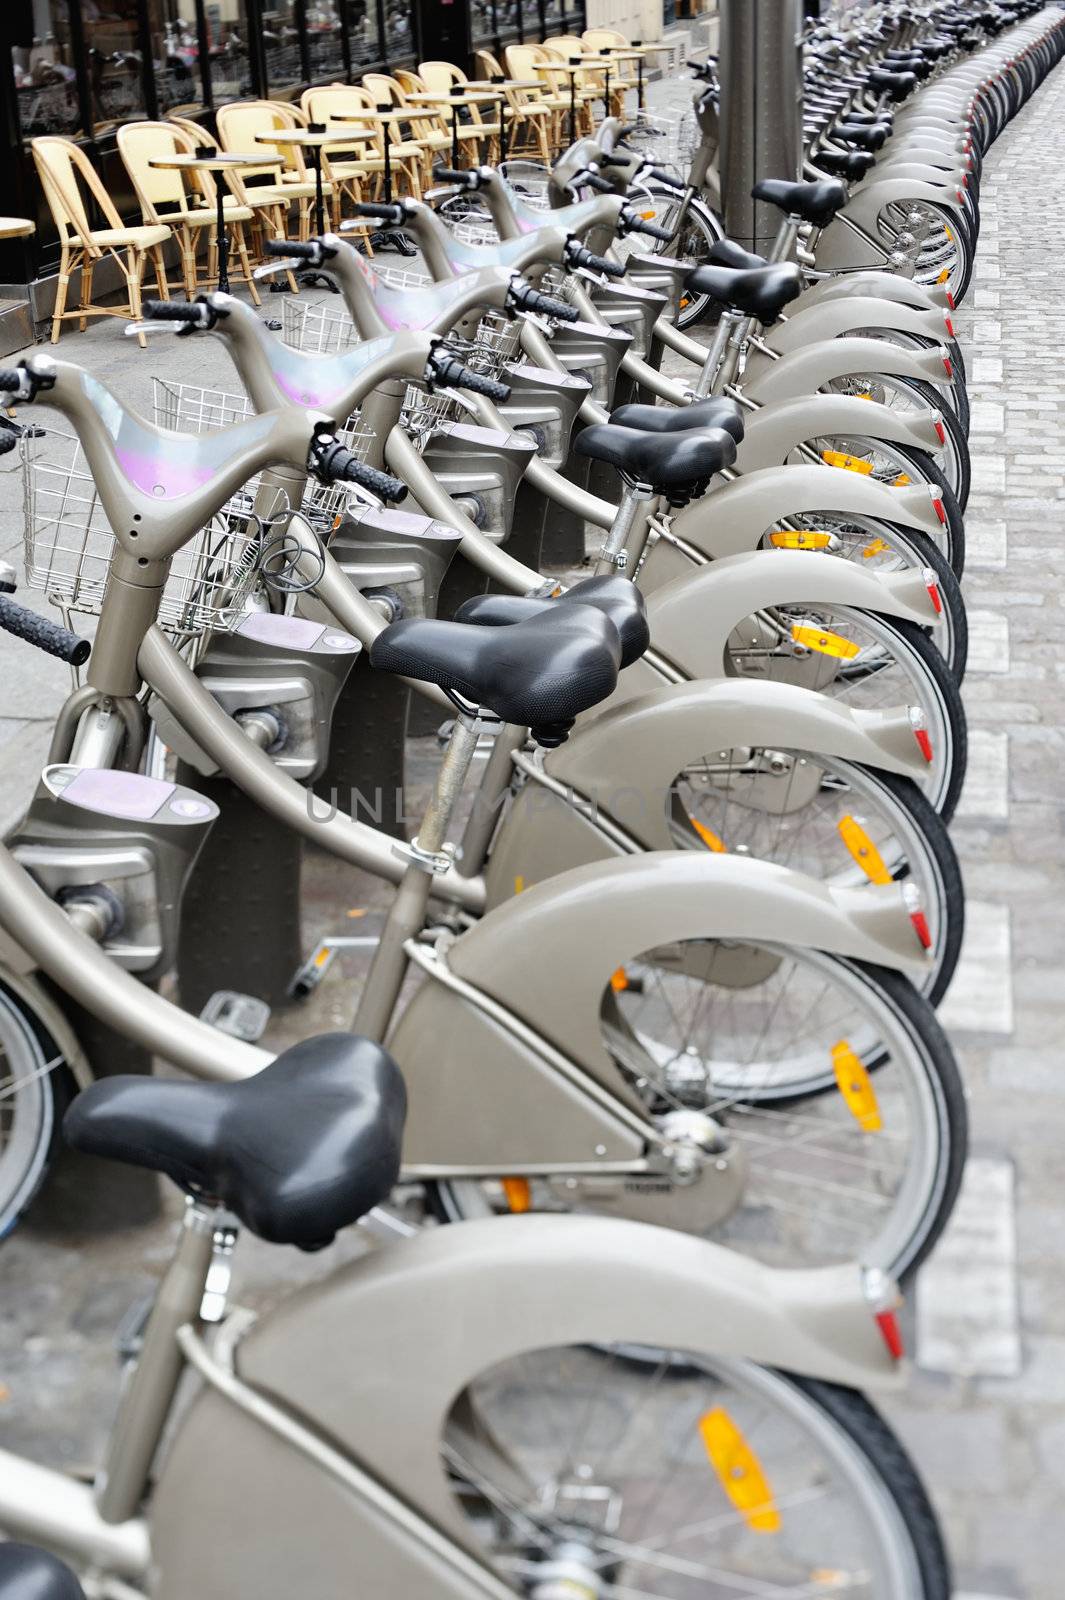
x=114, y=61
x=175, y=47
x=530, y=15
x=227, y=36
x=43, y=57
x=482, y=21
x=399, y=30
x=281, y=47
x=324, y=50
x=364, y=39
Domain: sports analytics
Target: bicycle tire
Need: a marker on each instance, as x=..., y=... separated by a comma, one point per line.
x=21, y=1178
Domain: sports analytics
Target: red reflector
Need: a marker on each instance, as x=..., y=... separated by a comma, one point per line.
x=920, y=924
x=940, y=510
x=948, y=369
x=888, y=1323
x=961, y=197
x=924, y=743
x=941, y=433
x=951, y=301
x=934, y=596
x=964, y=182
x=950, y=325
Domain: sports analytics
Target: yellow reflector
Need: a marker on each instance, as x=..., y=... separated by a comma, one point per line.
x=839, y=458
x=856, y=1087
x=902, y=481
x=648, y=216
x=877, y=548
x=519, y=884
x=519, y=1196
x=943, y=276
x=322, y=958
x=619, y=980
x=739, y=1471
x=804, y=539
x=825, y=643
x=685, y=300
x=709, y=838
x=864, y=850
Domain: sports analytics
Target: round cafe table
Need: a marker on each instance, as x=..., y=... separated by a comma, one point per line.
x=380, y=114
x=573, y=68
x=455, y=101
x=497, y=87
x=646, y=50
x=211, y=161
x=311, y=139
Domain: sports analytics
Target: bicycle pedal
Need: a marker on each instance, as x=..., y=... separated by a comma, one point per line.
x=242, y=1016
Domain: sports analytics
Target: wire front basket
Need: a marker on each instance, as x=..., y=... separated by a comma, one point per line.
x=69, y=544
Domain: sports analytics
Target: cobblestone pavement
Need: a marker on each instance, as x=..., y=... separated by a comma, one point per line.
x=984, y=1412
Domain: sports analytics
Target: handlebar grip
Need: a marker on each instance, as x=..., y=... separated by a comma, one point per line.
x=470, y=178
x=378, y=208
x=453, y=375
x=43, y=632
x=667, y=179
x=334, y=463
x=640, y=225
x=11, y=379
x=611, y=160
x=592, y=180
x=298, y=249
x=611, y=269
x=548, y=306
x=193, y=312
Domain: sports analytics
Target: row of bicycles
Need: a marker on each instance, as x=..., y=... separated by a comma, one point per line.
x=651, y=1013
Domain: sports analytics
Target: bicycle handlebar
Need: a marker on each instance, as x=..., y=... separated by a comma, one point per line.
x=667, y=180
x=632, y=222
x=525, y=298
x=471, y=178
x=43, y=632
x=313, y=250
x=332, y=462
x=11, y=379
x=578, y=256
x=445, y=371
x=377, y=208
x=593, y=180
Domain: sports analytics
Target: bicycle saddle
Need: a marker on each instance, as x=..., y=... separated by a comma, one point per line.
x=616, y=598
x=27, y=1573
x=717, y=412
x=814, y=202
x=726, y=253
x=302, y=1149
x=867, y=137
x=761, y=293
x=540, y=673
x=848, y=164
x=667, y=461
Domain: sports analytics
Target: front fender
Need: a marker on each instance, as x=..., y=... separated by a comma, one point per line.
x=774, y=432
x=734, y=517
x=802, y=372
x=628, y=758
x=827, y=319
x=694, y=615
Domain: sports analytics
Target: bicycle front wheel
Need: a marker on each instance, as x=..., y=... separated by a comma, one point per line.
x=635, y=1474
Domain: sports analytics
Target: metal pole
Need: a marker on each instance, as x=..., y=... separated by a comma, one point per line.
x=761, y=110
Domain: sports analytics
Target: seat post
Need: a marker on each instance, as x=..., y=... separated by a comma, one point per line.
x=717, y=369
x=426, y=857
x=786, y=235
x=615, y=553
x=149, y=1393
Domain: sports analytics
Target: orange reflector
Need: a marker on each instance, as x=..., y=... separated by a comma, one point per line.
x=322, y=958
x=519, y=885
x=518, y=1194
x=685, y=300
x=943, y=276
x=709, y=838
x=877, y=548
x=802, y=539
x=619, y=980
x=856, y=1087
x=825, y=643
x=901, y=482
x=839, y=458
x=863, y=850
x=739, y=1471
x=648, y=216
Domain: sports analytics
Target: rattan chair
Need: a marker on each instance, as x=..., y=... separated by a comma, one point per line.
x=64, y=169
x=440, y=77
x=355, y=166
x=521, y=61
x=278, y=183
x=429, y=129
x=164, y=198
x=530, y=121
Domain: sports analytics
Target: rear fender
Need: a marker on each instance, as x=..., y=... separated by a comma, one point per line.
x=829, y=318
x=866, y=203
x=772, y=433
x=803, y=371
x=880, y=285
x=734, y=517
x=694, y=615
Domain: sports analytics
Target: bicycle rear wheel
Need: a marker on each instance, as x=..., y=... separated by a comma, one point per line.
x=632, y=1474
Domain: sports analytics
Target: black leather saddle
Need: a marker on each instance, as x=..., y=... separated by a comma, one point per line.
x=761, y=293
x=541, y=673
x=675, y=464
x=715, y=412
x=848, y=164
x=726, y=253
x=816, y=202
x=306, y=1147
x=866, y=136
x=30, y=1574
x=616, y=598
